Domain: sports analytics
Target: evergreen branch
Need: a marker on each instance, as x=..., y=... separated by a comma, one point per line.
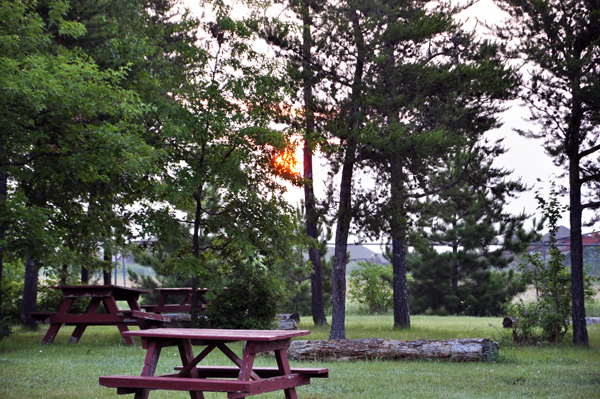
x=590, y=178
x=591, y=205
x=589, y=151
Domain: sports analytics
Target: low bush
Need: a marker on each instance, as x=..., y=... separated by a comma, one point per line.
x=248, y=300
x=548, y=317
x=371, y=286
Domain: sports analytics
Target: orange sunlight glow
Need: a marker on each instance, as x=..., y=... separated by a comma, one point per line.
x=289, y=162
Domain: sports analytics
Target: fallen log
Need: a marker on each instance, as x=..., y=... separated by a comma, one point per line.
x=461, y=350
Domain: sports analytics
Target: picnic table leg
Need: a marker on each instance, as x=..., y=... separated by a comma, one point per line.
x=187, y=355
x=284, y=369
x=242, y=364
x=54, y=327
x=133, y=304
x=111, y=306
x=80, y=328
x=152, y=355
x=247, y=363
x=163, y=300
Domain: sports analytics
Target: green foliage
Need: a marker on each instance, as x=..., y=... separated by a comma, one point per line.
x=157, y=255
x=12, y=291
x=469, y=218
x=548, y=317
x=5, y=329
x=249, y=299
x=219, y=175
x=71, y=137
x=371, y=286
x=296, y=270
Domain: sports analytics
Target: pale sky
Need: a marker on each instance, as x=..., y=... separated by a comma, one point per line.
x=525, y=157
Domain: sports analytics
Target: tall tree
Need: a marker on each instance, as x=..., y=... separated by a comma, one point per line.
x=346, y=120
x=221, y=171
x=559, y=42
x=307, y=8
x=63, y=120
x=432, y=88
x=299, y=45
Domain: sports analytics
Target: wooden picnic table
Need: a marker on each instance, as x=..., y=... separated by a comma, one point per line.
x=106, y=294
x=239, y=381
x=184, y=305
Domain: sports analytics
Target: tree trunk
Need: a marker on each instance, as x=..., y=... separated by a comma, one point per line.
x=338, y=328
x=572, y=146
x=30, y=286
x=64, y=272
x=468, y=349
x=344, y=215
x=85, y=275
x=454, y=277
x=580, y=334
x=316, y=277
x=196, y=253
x=107, y=273
x=195, y=311
x=399, y=287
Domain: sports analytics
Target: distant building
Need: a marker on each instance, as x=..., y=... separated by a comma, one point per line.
x=359, y=253
x=563, y=241
x=591, y=247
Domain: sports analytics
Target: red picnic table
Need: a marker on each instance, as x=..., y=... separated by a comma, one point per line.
x=106, y=294
x=239, y=381
x=184, y=306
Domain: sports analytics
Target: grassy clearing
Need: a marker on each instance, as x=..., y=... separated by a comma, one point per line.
x=28, y=369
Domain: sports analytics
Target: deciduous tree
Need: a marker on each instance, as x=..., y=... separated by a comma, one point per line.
x=221, y=177
x=63, y=120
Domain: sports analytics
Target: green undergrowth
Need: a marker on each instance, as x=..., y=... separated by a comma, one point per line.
x=61, y=370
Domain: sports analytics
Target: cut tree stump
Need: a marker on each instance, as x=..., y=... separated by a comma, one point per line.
x=288, y=321
x=461, y=350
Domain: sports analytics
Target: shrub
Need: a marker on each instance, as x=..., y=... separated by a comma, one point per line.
x=548, y=317
x=371, y=285
x=12, y=291
x=249, y=301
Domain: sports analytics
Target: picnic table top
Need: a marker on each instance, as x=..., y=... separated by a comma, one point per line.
x=182, y=290
x=98, y=290
x=218, y=334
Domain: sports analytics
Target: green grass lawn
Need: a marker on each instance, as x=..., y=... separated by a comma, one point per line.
x=60, y=370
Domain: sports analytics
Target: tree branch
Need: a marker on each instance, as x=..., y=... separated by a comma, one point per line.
x=590, y=178
x=589, y=151
x=591, y=205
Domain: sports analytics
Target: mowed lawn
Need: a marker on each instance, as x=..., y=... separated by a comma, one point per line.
x=61, y=370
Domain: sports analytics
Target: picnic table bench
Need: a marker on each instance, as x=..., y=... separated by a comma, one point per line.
x=98, y=294
x=184, y=306
x=238, y=381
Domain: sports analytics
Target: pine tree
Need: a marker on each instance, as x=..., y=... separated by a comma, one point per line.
x=431, y=89
x=559, y=42
x=465, y=238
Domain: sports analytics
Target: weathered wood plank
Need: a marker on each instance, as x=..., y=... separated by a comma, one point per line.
x=263, y=372
x=468, y=349
x=200, y=384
